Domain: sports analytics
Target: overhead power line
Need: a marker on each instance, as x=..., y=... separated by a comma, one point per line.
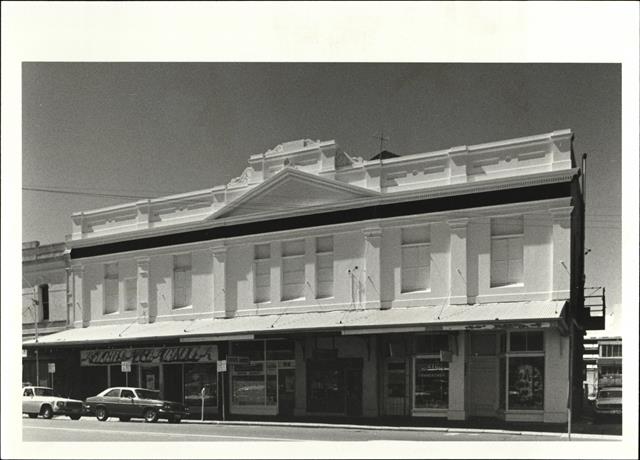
x=74, y=192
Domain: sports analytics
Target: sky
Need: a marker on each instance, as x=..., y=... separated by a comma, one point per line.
x=152, y=129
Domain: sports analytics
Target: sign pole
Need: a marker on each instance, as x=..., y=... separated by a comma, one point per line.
x=202, y=407
x=222, y=374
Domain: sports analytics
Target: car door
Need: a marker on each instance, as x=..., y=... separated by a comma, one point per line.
x=128, y=403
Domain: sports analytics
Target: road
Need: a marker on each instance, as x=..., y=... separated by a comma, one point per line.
x=89, y=429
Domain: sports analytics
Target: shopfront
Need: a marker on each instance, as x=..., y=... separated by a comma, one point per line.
x=178, y=373
x=262, y=377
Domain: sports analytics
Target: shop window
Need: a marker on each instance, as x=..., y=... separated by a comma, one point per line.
x=526, y=383
x=431, y=383
x=280, y=350
x=293, y=270
x=44, y=301
x=111, y=294
x=507, y=234
x=396, y=387
x=325, y=388
x=415, y=259
x=248, y=387
x=197, y=377
x=431, y=343
x=324, y=267
x=527, y=341
x=131, y=294
x=253, y=350
x=182, y=280
x=523, y=366
x=262, y=273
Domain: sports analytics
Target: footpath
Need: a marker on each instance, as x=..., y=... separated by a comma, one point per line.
x=585, y=428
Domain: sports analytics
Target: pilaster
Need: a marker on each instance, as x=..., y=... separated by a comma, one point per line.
x=458, y=266
x=142, y=288
x=561, y=284
x=219, y=254
x=81, y=312
x=372, y=246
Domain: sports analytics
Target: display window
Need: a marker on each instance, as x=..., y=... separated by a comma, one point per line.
x=197, y=377
x=326, y=389
x=522, y=364
x=431, y=383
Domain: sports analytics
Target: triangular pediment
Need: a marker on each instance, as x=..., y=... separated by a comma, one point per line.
x=291, y=190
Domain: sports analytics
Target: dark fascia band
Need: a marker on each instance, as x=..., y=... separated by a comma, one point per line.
x=449, y=203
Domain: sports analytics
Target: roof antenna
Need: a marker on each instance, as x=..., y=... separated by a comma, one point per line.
x=381, y=138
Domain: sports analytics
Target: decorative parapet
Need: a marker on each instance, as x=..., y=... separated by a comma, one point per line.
x=529, y=157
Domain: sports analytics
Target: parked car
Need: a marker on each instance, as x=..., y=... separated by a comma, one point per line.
x=127, y=403
x=43, y=401
x=609, y=401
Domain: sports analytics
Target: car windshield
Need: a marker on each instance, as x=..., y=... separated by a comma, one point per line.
x=43, y=391
x=148, y=394
x=611, y=393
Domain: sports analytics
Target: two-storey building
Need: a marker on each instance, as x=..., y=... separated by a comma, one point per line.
x=438, y=284
x=44, y=305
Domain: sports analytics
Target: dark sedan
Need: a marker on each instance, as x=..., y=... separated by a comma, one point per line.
x=127, y=403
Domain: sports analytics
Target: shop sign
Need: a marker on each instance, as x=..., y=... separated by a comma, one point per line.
x=231, y=359
x=182, y=354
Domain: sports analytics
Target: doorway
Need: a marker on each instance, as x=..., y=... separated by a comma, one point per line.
x=286, y=391
x=353, y=377
x=482, y=375
x=173, y=382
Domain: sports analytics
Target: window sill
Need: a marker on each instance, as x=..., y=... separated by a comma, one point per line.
x=511, y=285
x=186, y=307
x=111, y=313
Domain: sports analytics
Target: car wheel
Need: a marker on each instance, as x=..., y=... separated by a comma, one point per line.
x=75, y=417
x=151, y=415
x=101, y=414
x=32, y=415
x=174, y=420
x=47, y=412
x=125, y=419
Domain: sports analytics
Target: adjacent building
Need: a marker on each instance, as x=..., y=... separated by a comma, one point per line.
x=44, y=305
x=603, y=363
x=443, y=284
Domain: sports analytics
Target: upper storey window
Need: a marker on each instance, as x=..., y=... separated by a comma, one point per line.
x=324, y=267
x=293, y=270
x=262, y=273
x=111, y=294
x=507, y=250
x=44, y=301
x=181, y=280
x=415, y=258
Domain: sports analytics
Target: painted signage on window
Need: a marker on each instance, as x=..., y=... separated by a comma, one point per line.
x=183, y=354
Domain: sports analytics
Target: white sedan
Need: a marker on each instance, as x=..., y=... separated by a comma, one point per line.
x=42, y=401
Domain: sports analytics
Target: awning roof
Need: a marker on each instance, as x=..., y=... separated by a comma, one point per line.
x=350, y=321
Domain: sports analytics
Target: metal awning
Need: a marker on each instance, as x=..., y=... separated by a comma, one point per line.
x=449, y=317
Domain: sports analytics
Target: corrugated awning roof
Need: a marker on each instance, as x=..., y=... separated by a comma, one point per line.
x=349, y=320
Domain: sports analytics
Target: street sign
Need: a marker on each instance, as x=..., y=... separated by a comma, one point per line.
x=52, y=368
x=222, y=366
x=125, y=366
x=25, y=353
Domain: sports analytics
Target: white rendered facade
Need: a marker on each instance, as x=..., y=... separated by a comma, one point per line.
x=309, y=229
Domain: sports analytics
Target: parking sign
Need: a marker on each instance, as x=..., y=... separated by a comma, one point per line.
x=222, y=366
x=52, y=368
x=125, y=366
